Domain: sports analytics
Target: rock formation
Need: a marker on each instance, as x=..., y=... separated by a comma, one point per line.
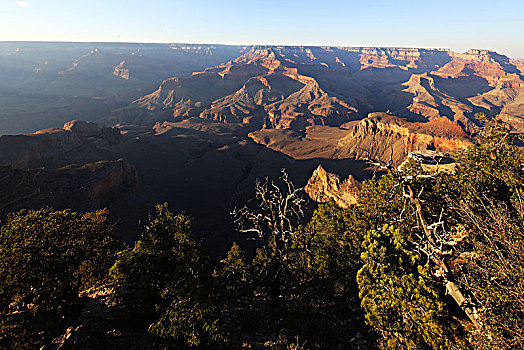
x=343, y=83
x=431, y=161
x=207, y=120
x=121, y=71
x=265, y=89
x=383, y=136
x=81, y=188
x=379, y=136
x=323, y=186
x=295, y=87
x=80, y=166
x=110, y=178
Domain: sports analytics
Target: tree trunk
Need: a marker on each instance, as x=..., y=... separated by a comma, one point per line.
x=470, y=310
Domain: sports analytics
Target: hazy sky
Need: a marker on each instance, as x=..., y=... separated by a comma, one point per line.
x=457, y=24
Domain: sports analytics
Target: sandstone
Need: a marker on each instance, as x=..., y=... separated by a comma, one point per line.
x=379, y=136
x=431, y=161
x=82, y=128
x=23, y=151
x=87, y=129
x=86, y=187
x=323, y=186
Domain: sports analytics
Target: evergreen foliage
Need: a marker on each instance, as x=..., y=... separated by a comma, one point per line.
x=400, y=299
x=475, y=215
x=167, y=278
x=414, y=236
x=46, y=258
x=234, y=272
x=490, y=178
x=334, y=250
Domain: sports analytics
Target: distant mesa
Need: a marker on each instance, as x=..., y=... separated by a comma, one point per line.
x=384, y=136
x=258, y=86
x=121, y=71
x=90, y=129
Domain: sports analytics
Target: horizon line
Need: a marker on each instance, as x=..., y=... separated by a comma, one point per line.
x=240, y=45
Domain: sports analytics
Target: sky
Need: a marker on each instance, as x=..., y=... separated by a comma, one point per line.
x=458, y=25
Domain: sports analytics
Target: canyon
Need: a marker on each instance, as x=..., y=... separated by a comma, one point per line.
x=125, y=126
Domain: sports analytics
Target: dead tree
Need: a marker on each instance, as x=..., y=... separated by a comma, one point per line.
x=275, y=224
x=434, y=242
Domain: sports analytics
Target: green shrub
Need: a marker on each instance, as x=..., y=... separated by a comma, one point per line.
x=46, y=258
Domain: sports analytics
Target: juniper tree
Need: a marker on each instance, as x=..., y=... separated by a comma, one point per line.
x=167, y=280
x=400, y=299
x=233, y=271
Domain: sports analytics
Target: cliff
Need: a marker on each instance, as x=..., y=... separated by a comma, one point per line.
x=32, y=150
x=496, y=69
x=109, y=178
x=121, y=71
x=380, y=135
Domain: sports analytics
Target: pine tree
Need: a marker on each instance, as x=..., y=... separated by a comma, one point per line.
x=489, y=201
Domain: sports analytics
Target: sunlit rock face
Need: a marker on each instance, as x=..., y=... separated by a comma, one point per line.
x=323, y=186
